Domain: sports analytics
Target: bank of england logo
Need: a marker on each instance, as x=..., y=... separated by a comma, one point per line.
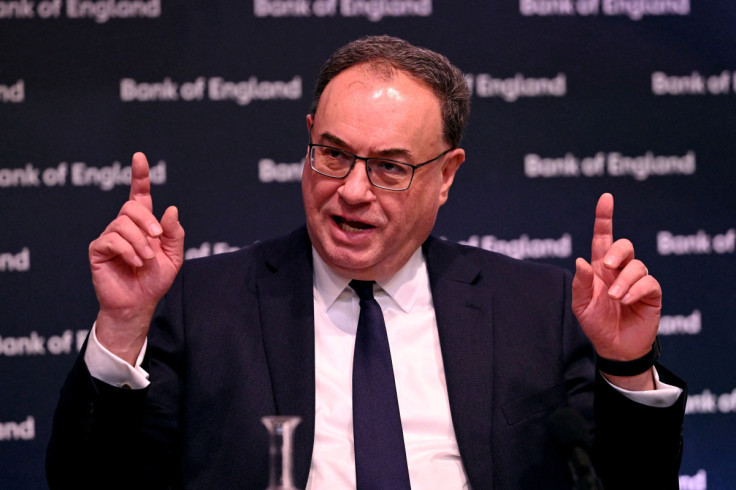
x=511, y=89
x=217, y=89
x=633, y=9
x=77, y=174
x=100, y=11
x=373, y=10
x=613, y=164
x=524, y=247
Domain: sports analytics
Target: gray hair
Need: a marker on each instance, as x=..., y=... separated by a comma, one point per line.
x=384, y=55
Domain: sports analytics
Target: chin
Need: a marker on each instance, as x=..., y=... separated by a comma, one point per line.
x=349, y=263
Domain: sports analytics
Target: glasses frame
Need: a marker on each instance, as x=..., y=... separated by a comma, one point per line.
x=311, y=145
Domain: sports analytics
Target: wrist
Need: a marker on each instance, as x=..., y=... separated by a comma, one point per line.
x=639, y=382
x=630, y=368
x=122, y=337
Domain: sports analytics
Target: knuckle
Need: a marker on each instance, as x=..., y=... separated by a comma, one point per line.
x=127, y=208
x=624, y=243
x=115, y=226
x=638, y=263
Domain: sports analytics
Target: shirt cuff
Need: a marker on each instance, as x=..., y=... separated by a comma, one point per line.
x=109, y=368
x=662, y=396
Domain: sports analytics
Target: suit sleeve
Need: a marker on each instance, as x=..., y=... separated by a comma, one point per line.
x=109, y=437
x=637, y=446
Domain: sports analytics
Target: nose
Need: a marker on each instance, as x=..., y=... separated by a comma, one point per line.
x=356, y=188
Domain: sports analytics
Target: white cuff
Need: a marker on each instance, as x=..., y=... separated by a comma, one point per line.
x=662, y=396
x=109, y=368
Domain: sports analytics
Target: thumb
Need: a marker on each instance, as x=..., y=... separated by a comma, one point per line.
x=582, y=286
x=172, y=238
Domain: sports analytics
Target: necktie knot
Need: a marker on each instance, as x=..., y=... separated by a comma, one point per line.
x=364, y=289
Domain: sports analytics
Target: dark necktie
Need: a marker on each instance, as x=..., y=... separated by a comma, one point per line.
x=380, y=457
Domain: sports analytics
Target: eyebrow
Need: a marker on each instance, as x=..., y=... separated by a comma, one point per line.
x=386, y=153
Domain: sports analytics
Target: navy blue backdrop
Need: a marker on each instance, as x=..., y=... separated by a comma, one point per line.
x=571, y=98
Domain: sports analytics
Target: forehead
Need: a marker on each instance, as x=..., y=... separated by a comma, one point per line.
x=367, y=107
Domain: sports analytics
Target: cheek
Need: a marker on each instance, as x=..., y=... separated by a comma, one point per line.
x=425, y=202
x=312, y=191
x=418, y=215
x=317, y=194
x=412, y=214
x=311, y=203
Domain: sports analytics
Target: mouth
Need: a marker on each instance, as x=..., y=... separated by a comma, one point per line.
x=351, y=226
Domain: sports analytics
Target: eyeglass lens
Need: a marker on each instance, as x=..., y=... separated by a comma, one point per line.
x=334, y=162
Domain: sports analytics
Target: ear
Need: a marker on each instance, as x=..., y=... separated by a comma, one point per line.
x=310, y=122
x=452, y=162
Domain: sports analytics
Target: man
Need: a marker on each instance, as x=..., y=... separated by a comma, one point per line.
x=483, y=348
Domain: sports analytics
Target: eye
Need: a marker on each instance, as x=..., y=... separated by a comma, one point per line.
x=330, y=153
x=389, y=167
x=335, y=153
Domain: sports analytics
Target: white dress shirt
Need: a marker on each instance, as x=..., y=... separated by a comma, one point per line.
x=431, y=448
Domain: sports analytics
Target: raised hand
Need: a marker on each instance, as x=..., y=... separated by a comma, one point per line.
x=616, y=301
x=134, y=262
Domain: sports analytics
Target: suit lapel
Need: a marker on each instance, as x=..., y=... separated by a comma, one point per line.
x=463, y=312
x=287, y=318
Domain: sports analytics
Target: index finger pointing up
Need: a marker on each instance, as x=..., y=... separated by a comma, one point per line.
x=140, y=183
x=603, y=227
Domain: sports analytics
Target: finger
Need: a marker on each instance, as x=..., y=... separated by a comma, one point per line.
x=646, y=290
x=582, y=285
x=142, y=217
x=129, y=231
x=619, y=254
x=140, y=183
x=172, y=238
x=110, y=246
x=602, y=228
x=627, y=277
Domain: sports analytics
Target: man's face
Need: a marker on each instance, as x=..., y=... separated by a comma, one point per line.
x=359, y=230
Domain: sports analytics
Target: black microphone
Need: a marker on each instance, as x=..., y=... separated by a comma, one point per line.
x=568, y=429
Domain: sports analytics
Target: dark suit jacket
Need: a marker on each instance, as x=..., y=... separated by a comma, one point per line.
x=234, y=341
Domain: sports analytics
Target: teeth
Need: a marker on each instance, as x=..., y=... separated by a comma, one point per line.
x=351, y=226
x=347, y=227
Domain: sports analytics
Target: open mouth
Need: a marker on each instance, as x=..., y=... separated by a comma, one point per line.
x=350, y=225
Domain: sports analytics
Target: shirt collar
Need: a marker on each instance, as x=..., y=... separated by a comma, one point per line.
x=404, y=287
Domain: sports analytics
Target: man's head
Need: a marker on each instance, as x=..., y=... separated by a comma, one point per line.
x=387, y=54
x=369, y=104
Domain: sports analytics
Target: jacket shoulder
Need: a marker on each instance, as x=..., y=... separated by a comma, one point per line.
x=476, y=265
x=255, y=259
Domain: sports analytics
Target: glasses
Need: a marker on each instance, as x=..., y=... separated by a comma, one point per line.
x=382, y=173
